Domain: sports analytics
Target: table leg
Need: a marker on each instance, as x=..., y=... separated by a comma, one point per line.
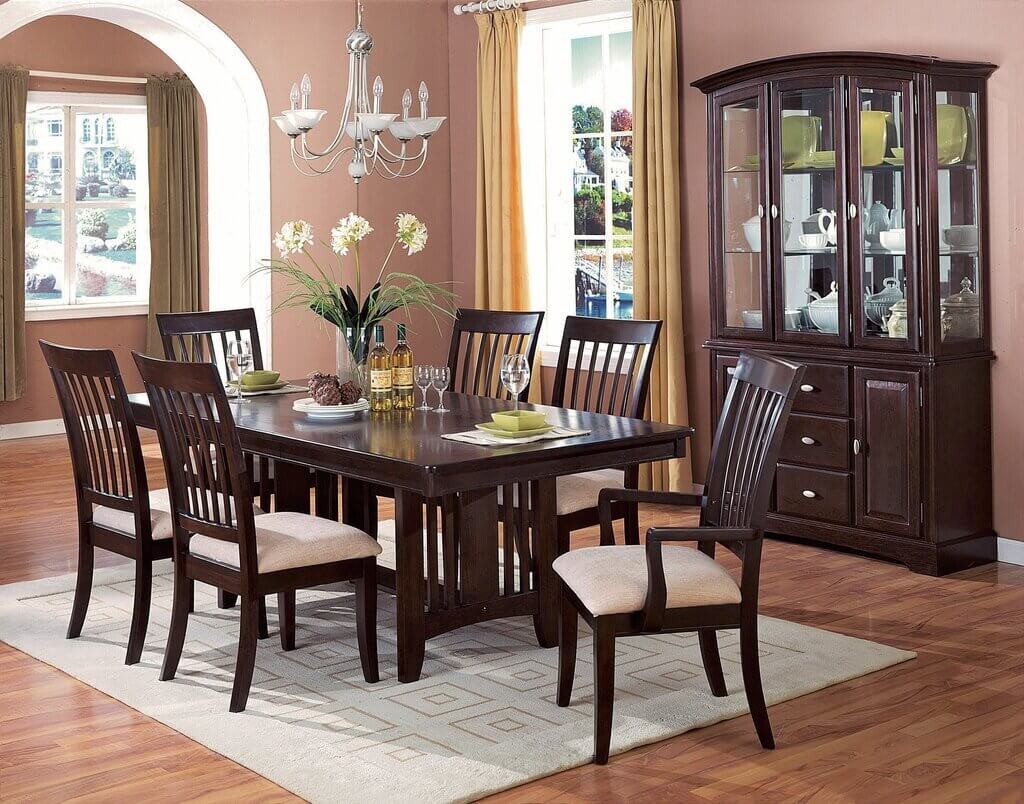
x=359, y=505
x=543, y=505
x=291, y=487
x=409, y=584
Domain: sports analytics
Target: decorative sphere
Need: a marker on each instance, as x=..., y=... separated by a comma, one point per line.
x=359, y=41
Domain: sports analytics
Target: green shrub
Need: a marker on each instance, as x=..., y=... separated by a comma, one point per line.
x=93, y=223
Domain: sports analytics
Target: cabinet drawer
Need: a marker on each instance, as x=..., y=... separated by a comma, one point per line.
x=818, y=441
x=813, y=493
x=825, y=388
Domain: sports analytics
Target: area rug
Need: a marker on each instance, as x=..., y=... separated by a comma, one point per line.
x=481, y=719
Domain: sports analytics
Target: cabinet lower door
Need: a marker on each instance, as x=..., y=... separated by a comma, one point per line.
x=887, y=426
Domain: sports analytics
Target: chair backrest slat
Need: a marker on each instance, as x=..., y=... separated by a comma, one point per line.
x=747, y=441
x=621, y=356
x=480, y=338
x=106, y=454
x=202, y=337
x=210, y=488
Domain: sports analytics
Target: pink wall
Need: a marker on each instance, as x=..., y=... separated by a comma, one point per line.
x=75, y=44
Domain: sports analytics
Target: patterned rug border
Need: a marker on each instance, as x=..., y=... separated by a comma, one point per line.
x=316, y=776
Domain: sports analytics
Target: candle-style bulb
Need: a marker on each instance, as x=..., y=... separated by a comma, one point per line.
x=424, y=95
x=378, y=92
x=406, y=104
x=307, y=85
x=294, y=96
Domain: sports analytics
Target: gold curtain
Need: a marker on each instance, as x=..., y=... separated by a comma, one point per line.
x=13, y=99
x=501, y=282
x=657, y=267
x=174, y=283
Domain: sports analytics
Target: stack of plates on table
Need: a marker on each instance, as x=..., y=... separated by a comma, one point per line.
x=317, y=411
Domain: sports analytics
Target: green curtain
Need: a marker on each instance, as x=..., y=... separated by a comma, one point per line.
x=174, y=283
x=13, y=99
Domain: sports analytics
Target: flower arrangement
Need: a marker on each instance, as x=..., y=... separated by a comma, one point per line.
x=344, y=306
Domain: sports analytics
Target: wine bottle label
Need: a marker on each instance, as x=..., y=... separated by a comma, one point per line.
x=380, y=380
x=401, y=377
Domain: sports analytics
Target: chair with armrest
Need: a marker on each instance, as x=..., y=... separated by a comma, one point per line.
x=218, y=540
x=661, y=587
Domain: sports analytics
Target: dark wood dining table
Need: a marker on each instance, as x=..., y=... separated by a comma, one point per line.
x=452, y=566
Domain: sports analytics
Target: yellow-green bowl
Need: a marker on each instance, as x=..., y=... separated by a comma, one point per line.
x=261, y=377
x=515, y=421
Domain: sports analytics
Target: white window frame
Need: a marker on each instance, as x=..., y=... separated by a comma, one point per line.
x=542, y=182
x=92, y=103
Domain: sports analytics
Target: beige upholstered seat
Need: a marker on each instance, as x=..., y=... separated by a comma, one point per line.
x=613, y=579
x=288, y=539
x=576, y=492
x=124, y=521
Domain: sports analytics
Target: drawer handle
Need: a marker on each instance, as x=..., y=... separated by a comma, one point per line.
x=807, y=388
x=810, y=495
x=808, y=441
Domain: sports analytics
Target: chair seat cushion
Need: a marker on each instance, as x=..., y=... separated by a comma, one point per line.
x=580, y=491
x=124, y=521
x=288, y=539
x=613, y=579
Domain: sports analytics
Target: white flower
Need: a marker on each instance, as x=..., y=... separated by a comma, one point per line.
x=349, y=231
x=293, y=237
x=412, y=233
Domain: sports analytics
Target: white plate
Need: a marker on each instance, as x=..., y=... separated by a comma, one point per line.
x=315, y=411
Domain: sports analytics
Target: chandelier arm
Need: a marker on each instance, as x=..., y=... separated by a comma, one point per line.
x=310, y=162
x=312, y=152
x=382, y=167
x=306, y=157
x=401, y=156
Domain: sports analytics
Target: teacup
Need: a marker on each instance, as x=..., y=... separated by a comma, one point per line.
x=963, y=236
x=813, y=240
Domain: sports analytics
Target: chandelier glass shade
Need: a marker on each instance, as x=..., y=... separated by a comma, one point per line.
x=360, y=133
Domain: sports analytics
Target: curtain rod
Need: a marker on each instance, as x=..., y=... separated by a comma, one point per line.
x=486, y=6
x=106, y=79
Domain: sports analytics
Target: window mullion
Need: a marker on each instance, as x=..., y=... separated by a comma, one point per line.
x=609, y=303
x=70, y=213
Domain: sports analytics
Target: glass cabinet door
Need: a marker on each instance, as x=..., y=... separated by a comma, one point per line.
x=741, y=227
x=881, y=211
x=957, y=140
x=807, y=211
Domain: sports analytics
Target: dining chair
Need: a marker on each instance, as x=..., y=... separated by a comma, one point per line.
x=480, y=338
x=116, y=510
x=604, y=366
x=659, y=587
x=217, y=539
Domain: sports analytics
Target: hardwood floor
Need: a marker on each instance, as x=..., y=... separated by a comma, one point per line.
x=948, y=726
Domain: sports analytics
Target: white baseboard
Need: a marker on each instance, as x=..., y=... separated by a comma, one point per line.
x=1010, y=551
x=42, y=427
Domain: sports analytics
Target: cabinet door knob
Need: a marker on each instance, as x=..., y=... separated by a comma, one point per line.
x=775, y=212
x=809, y=494
x=807, y=440
x=852, y=210
x=760, y=210
x=856, y=446
x=806, y=388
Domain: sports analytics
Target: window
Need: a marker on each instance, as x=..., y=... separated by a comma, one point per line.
x=87, y=212
x=577, y=146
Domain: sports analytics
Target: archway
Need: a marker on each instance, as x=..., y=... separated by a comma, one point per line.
x=238, y=145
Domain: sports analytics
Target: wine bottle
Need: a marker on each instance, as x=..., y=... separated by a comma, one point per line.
x=380, y=372
x=401, y=373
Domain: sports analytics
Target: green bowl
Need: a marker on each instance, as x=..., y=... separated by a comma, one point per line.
x=262, y=377
x=522, y=420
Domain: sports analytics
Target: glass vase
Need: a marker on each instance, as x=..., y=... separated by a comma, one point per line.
x=351, y=348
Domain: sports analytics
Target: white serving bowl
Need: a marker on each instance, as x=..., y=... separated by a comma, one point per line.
x=963, y=237
x=894, y=239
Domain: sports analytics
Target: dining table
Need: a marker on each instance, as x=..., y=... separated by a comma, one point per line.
x=453, y=565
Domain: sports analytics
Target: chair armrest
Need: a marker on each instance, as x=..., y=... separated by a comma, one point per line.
x=654, y=606
x=608, y=496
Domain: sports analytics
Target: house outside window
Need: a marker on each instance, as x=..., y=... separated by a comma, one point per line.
x=577, y=164
x=87, y=214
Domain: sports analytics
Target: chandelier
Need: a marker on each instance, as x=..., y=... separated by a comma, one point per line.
x=362, y=124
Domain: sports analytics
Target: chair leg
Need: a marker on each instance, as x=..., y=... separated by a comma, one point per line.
x=83, y=586
x=286, y=619
x=752, y=680
x=712, y=662
x=568, y=624
x=366, y=620
x=262, y=631
x=183, y=593
x=604, y=687
x=140, y=610
x=631, y=523
x=246, y=661
x=226, y=600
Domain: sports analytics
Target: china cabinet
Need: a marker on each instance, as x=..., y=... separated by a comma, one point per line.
x=848, y=212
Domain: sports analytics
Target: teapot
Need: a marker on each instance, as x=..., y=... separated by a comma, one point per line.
x=876, y=221
x=821, y=222
x=824, y=310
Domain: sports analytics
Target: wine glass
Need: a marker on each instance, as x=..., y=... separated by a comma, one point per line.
x=239, y=362
x=440, y=376
x=515, y=376
x=424, y=378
